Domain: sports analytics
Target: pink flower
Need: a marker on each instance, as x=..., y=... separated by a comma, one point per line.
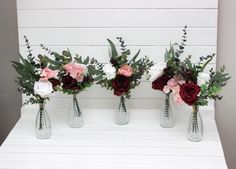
x=181, y=82
x=125, y=70
x=178, y=99
x=47, y=74
x=76, y=71
x=68, y=67
x=172, y=83
x=166, y=89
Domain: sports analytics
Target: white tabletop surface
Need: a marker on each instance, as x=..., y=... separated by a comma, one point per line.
x=101, y=144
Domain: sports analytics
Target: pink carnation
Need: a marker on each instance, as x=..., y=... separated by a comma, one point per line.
x=172, y=83
x=47, y=74
x=76, y=71
x=178, y=99
x=125, y=70
x=166, y=89
x=68, y=67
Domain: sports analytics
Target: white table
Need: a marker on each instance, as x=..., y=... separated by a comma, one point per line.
x=100, y=144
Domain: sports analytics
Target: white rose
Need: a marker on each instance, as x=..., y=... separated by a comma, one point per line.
x=43, y=88
x=202, y=78
x=109, y=70
x=156, y=71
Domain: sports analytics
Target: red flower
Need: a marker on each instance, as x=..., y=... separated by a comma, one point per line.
x=69, y=83
x=120, y=84
x=54, y=82
x=189, y=93
x=160, y=82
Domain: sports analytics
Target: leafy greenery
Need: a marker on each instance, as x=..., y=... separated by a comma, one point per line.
x=28, y=73
x=138, y=65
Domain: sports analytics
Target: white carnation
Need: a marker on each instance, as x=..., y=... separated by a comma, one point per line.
x=156, y=71
x=202, y=78
x=109, y=70
x=43, y=88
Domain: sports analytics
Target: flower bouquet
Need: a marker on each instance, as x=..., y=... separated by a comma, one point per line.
x=37, y=80
x=75, y=74
x=162, y=76
x=121, y=75
x=196, y=88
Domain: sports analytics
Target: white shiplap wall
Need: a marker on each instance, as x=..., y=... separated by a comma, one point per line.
x=149, y=25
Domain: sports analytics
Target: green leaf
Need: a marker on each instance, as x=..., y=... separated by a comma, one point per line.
x=86, y=61
x=113, y=49
x=136, y=55
x=204, y=66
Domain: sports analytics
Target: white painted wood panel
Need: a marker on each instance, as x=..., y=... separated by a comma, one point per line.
x=114, y=4
x=133, y=36
x=150, y=25
x=120, y=18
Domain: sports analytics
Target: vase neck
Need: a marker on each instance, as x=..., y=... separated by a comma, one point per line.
x=74, y=96
x=195, y=108
x=42, y=105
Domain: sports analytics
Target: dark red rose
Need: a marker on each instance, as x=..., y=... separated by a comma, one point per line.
x=69, y=83
x=54, y=82
x=160, y=82
x=88, y=79
x=189, y=93
x=120, y=84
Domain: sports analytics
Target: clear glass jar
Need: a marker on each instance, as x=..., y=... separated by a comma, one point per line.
x=42, y=123
x=195, y=126
x=167, y=117
x=75, y=117
x=121, y=112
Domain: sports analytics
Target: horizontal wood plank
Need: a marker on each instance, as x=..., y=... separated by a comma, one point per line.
x=97, y=36
x=71, y=4
x=117, y=18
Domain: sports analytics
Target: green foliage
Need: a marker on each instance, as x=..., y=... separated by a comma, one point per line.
x=138, y=65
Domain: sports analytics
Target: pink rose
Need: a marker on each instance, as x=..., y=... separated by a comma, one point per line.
x=68, y=67
x=47, y=74
x=77, y=72
x=125, y=70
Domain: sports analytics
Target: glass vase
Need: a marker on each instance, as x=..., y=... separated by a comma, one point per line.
x=75, y=117
x=195, y=126
x=42, y=123
x=167, y=119
x=121, y=112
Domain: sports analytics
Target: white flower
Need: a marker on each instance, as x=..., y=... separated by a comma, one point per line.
x=109, y=70
x=43, y=88
x=202, y=78
x=156, y=71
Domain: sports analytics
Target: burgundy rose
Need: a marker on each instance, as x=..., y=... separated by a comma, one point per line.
x=160, y=82
x=189, y=93
x=54, y=82
x=120, y=84
x=69, y=83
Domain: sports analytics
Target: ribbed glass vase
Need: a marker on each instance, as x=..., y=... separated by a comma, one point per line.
x=42, y=123
x=75, y=117
x=167, y=117
x=195, y=125
x=121, y=112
